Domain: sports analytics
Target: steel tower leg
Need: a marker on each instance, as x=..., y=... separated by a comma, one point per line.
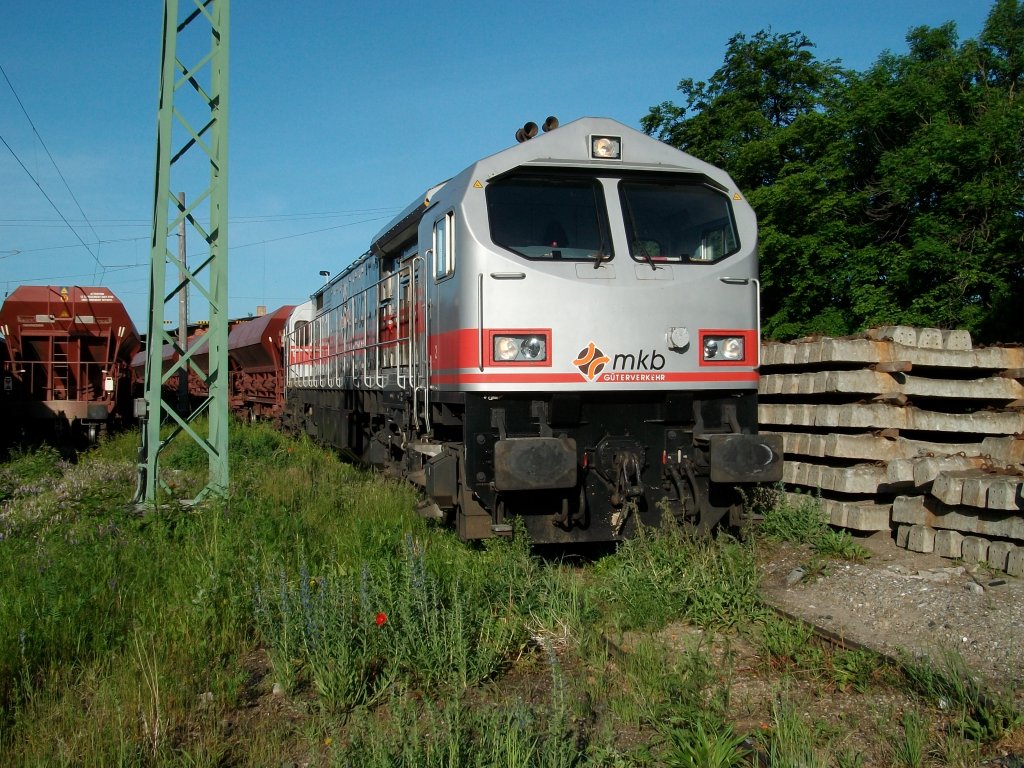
x=190, y=158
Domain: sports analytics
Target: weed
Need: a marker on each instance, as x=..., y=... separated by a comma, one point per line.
x=803, y=522
x=697, y=747
x=666, y=573
x=149, y=673
x=790, y=741
x=985, y=714
x=783, y=640
x=29, y=466
x=956, y=750
x=794, y=645
x=785, y=520
x=351, y=635
x=674, y=690
x=849, y=758
x=840, y=545
x=909, y=747
x=854, y=669
x=130, y=639
x=426, y=733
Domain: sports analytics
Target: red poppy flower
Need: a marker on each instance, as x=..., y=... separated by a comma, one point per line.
x=381, y=618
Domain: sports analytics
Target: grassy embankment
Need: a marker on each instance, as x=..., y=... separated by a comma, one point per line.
x=313, y=619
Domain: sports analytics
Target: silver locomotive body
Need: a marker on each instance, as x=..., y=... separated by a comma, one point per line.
x=566, y=332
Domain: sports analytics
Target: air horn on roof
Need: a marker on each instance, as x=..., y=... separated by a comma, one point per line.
x=529, y=130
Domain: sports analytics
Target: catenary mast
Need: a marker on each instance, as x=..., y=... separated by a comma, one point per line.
x=192, y=155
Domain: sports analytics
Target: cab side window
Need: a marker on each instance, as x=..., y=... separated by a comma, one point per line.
x=444, y=246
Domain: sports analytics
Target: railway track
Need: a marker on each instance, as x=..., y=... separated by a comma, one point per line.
x=758, y=757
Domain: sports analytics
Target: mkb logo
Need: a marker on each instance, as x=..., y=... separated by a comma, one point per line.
x=625, y=367
x=591, y=361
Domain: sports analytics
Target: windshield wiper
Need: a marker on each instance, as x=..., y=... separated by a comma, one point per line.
x=647, y=255
x=599, y=256
x=643, y=246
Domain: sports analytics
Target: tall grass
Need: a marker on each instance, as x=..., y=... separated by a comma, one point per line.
x=351, y=634
x=456, y=734
x=984, y=713
x=667, y=573
x=92, y=590
x=153, y=617
x=312, y=618
x=791, y=740
x=803, y=522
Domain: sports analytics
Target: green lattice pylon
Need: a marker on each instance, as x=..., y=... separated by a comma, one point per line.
x=191, y=155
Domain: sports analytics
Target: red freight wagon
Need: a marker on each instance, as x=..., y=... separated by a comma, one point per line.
x=256, y=349
x=197, y=388
x=69, y=352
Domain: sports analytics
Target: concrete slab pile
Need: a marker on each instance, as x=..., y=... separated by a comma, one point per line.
x=906, y=428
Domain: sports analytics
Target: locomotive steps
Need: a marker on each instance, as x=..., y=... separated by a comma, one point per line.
x=911, y=428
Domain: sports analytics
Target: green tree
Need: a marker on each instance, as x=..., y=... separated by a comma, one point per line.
x=999, y=62
x=888, y=196
x=734, y=120
x=936, y=160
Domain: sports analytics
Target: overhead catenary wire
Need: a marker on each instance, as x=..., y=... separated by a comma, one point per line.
x=55, y=166
x=52, y=204
x=140, y=264
x=264, y=218
x=20, y=251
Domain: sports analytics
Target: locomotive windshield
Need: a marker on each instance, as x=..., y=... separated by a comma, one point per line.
x=677, y=221
x=667, y=220
x=540, y=217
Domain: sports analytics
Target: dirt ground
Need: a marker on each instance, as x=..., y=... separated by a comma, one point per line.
x=902, y=601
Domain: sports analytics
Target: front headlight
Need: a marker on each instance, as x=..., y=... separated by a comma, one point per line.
x=506, y=348
x=533, y=348
x=722, y=348
x=732, y=349
x=510, y=349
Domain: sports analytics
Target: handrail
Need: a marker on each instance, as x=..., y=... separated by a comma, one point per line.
x=757, y=303
x=84, y=381
x=415, y=364
x=403, y=340
x=480, y=317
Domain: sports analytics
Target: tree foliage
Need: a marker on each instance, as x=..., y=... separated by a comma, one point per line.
x=894, y=195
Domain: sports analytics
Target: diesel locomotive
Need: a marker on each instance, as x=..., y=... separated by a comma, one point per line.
x=566, y=332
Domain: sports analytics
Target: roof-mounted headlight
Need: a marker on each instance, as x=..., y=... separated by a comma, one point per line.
x=605, y=147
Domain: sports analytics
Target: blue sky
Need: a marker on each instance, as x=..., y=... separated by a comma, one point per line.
x=343, y=113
